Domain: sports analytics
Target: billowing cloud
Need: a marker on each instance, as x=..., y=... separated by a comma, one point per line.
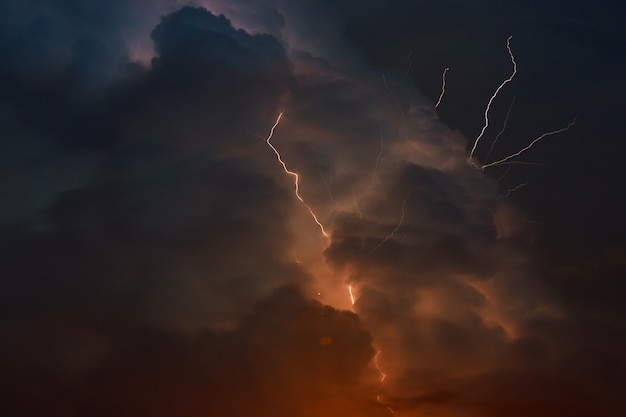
x=157, y=261
x=290, y=357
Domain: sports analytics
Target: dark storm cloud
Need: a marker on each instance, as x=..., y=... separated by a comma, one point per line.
x=58, y=57
x=444, y=288
x=51, y=118
x=451, y=284
x=58, y=60
x=291, y=357
x=149, y=225
x=438, y=222
x=192, y=35
x=568, y=64
x=150, y=192
x=171, y=230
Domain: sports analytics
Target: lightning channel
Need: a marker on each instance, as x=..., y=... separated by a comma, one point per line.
x=383, y=376
x=506, y=120
x=397, y=100
x=511, y=164
x=393, y=232
x=296, y=178
x=495, y=94
x=351, y=294
x=530, y=145
x=379, y=156
x=355, y=201
x=512, y=190
x=505, y=174
x=319, y=168
x=443, y=86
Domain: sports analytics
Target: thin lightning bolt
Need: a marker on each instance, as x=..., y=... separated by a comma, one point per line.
x=383, y=376
x=355, y=201
x=319, y=168
x=296, y=179
x=508, y=114
x=406, y=126
x=393, y=232
x=537, y=164
x=505, y=173
x=521, y=151
x=443, y=86
x=380, y=154
x=510, y=165
x=512, y=190
x=505, y=82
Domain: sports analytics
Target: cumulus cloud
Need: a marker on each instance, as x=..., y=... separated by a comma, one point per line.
x=172, y=271
x=291, y=356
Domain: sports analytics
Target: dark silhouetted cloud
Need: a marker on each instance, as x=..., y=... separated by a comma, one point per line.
x=155, y=259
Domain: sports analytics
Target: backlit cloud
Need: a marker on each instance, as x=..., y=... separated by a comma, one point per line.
x=157, y=261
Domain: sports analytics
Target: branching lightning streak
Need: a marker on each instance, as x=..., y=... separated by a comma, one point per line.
x=537, y=164
x=508, y=114
x=530, y=145
x=355, y=201
x=393, y=232
x=380, y=155
x=383, y=376
x=510, y=165
x=505, y=173
x=296, y=178
x=319, y=168
x=406, y=126
x=512, y=190
x=505, y=82
x=443, y=86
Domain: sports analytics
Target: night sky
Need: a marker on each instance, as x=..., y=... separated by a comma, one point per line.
x=156, y=259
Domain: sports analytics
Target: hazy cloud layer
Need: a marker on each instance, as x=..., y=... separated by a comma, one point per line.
x=155, y=259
